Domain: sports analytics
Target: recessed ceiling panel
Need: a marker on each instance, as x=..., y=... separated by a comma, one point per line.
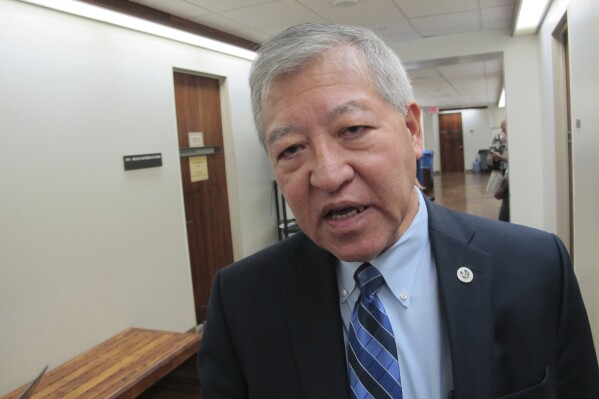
x=394, y=32
x=175, y=7
x=427, y=8
x=225, y=5
x=496, y=3
x=463, y=71
x=448, y=24
x=219, y=22
x=364, y=12
x=274, y=17
x=493, y=14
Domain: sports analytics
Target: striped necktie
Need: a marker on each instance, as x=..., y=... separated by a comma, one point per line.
x=372, y=355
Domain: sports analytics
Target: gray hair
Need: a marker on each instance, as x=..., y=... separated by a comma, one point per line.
x=295, y=48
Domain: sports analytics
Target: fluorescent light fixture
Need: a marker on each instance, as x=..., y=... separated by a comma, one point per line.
x=530, y=16
x=501, y=103
x=100, y=14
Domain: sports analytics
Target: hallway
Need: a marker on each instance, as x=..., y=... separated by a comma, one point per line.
x=466, y=192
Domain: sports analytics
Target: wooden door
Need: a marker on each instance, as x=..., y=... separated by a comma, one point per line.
x=451, y=142
x=206, y=202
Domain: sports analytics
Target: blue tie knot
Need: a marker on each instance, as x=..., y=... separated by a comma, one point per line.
x=369, y=279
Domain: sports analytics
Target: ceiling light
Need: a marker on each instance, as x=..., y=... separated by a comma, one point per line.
x=530, y=15
x=96, y=13
x=345, y=3
x=501, y=103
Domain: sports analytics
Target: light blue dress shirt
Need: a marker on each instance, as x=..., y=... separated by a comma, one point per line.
x=411, y=299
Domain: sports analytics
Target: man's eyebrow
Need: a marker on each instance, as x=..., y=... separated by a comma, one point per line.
x=350, y=106
x=276, y=134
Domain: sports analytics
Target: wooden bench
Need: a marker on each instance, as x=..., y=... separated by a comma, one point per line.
x=121, y=367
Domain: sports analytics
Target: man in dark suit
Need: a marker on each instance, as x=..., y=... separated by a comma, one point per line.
x=470, y=308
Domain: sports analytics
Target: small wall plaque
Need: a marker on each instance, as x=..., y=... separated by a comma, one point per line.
x=142, y=161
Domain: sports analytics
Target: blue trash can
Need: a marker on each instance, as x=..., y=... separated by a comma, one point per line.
x=426, y=162
x=424, y=174
x=427, y=159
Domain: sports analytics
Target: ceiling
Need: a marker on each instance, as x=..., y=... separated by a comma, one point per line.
x=456, y=83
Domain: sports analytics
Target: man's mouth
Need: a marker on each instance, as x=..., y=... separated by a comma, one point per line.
x=337, y=214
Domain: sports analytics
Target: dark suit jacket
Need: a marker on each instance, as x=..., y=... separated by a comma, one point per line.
x=518, y=330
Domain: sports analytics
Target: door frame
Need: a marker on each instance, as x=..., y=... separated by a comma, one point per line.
x=232, y=212
x=230, y=165
x=563, y=136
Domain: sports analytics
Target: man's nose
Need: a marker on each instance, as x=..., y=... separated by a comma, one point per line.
x=331, y=169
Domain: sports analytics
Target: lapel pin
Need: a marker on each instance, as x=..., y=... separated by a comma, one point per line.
x=465, y=274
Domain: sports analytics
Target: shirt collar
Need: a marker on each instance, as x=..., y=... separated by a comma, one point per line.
x=398, y=264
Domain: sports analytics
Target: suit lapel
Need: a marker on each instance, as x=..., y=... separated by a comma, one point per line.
x=467, y=305
x=315, y=326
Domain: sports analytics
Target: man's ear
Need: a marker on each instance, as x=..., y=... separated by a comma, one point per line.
x=415, y=128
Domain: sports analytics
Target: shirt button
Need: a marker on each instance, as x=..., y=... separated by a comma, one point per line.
x=344, y=292
x=403, y=295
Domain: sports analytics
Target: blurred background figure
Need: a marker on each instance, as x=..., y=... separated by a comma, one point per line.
x=499, y=153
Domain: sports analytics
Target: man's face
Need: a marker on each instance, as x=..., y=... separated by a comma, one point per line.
x=344, y=158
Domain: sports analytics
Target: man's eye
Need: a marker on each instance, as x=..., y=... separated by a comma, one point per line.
x=355, y=129
x=289, y=151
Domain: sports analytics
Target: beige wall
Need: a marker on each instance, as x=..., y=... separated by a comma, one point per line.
x=87, y=249
x=583, y=22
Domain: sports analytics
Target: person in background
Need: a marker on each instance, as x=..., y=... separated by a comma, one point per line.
x=463, y=312
x=501, y=156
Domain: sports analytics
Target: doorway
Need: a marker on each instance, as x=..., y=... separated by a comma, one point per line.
x=563, y=137
x=205, y=195
x=451, y=142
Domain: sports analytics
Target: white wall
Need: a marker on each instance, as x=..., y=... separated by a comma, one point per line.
x=87, y=249
x=428, y=128
x=583, y=24
x=525, y=135
x=436, y=144
x=554, y=97
x=583, y=29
